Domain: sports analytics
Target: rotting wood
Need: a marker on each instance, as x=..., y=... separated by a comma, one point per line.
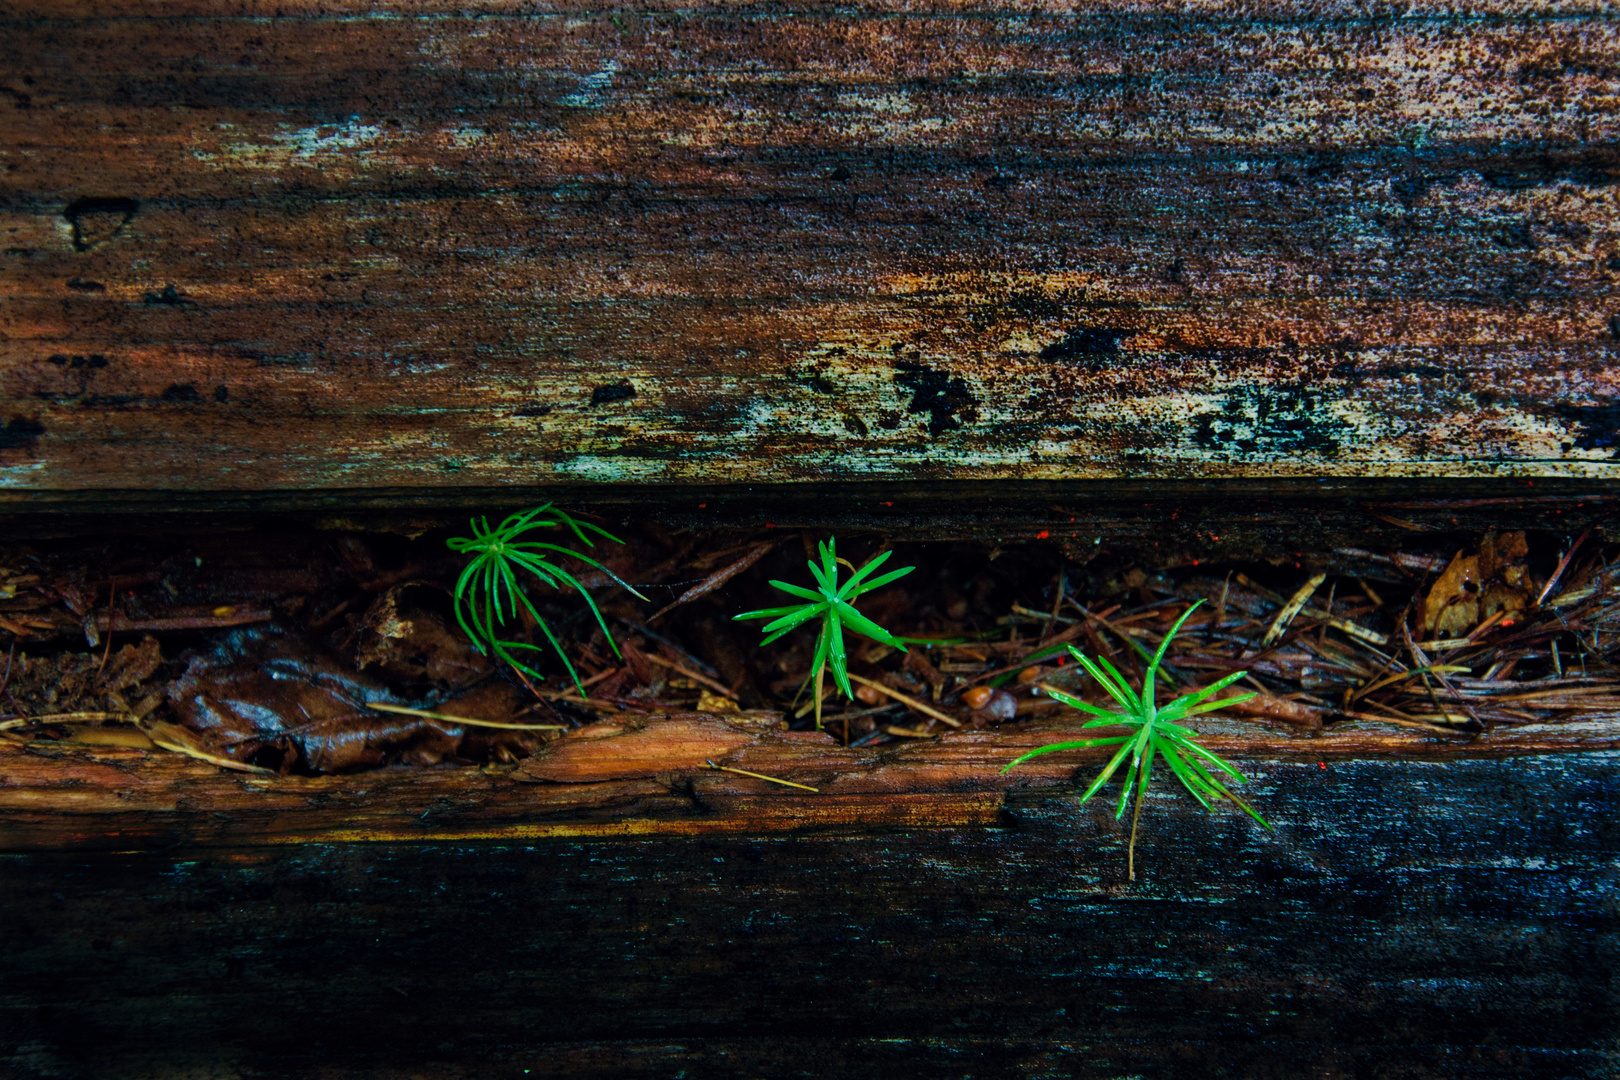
x=354, y=248
x=647, y=777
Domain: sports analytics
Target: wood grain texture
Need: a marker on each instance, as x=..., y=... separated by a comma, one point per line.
x=1433, y=921
x=643, y=776
x=335, y=246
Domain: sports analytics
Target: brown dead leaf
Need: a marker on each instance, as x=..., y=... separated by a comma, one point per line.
x=183, y=741
x=499, y=702
x=1296, y=713
x=612, y=751
x=267, y=696
x=636, y=660
x=1500, y=597
x=1452, y=607
x=1509, y=586
x=1474, y=588
x=1501, y=557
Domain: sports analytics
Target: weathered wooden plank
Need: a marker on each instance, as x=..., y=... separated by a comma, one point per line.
x=1429, y=920
x=646, y=777
x=448, y=246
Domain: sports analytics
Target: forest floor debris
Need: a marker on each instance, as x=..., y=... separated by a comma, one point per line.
x=300, y=650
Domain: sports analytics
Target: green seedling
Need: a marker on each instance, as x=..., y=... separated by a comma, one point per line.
x=1154, y=731
x=835, y=604
x=490, y=592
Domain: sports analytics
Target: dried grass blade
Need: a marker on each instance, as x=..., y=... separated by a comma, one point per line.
x=1563, y=564
x=1355, y=630
x=1416, y=724
x=178, y=739
x=926, y=710
x=760, y=776
x=64, y=718
x=428, y=715
x=1401, y=676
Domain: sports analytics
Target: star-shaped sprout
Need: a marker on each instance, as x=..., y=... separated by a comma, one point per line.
x=834, y=603
x=1155, y=732
x=490, y=589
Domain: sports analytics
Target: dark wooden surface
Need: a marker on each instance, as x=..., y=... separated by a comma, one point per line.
x=325, y=247
x=1407, y=919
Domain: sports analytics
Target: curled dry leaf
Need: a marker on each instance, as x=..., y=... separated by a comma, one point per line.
x=268, y=696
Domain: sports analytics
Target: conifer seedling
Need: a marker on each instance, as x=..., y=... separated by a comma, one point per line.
x=1153, y=731
x=835, y=604
x=489, y=591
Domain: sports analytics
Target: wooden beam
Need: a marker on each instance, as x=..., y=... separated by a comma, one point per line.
x=1423, y=920
x=329, y=247
x=645, y=777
